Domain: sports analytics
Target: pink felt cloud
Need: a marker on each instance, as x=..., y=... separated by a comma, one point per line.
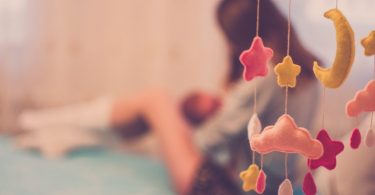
x=363, y=101
x=355, y=139
x=261, y=182
x=331, y=150
x=285, y=136
x=255, y=59
x=309, y=186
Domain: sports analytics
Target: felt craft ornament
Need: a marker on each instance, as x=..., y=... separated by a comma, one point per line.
x=255, y=61
x=363, y=101
x=254, y=127
x=287, y=72
x=334, y=76
x=261, y=182
x=250, y=177
x=369, y=44
x=309, y=186
x=331, y=150
x=285, y=188
x=286, y=136
x=355, y=139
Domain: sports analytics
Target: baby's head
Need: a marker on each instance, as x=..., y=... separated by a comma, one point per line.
x=199, y=106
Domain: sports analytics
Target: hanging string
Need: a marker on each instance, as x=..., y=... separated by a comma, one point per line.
x=261, y=162
x=286, y=165
x=309, y=164
x=288, y=51
x=257, y=24
x=289, y=28
x=286, y=101
x=324, y=109
x=254, y=112
x=372, y=113
x=286, y=88
x=253, y=157
x=257, y=34
x=255, y=99
x=255, y=85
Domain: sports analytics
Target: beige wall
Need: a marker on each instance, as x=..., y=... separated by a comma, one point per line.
x=90, y=47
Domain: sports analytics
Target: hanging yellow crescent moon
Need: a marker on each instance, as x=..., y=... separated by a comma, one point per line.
x=334, y=76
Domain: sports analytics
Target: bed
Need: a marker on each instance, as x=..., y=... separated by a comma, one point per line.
x=94, y=171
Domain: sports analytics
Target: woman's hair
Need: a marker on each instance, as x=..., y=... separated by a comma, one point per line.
x=237, y=19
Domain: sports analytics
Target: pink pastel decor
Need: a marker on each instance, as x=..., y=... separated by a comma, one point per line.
x=363, y=101
x=331, y=150
x=261, y=182
x=256, y=59
x=309, y=186
x=286, y=137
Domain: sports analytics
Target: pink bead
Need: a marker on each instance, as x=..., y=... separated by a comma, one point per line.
x=261, y=182
x=309, y=186
x=285, y=188
x=355, y=139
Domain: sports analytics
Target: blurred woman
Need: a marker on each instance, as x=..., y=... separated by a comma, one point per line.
x=223, y=138
x=208, y=160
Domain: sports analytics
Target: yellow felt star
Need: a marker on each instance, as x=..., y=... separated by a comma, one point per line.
x=369, y=44
x=287, y=72
x=249, y=177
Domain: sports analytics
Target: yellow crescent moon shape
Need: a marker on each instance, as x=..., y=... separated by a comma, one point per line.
x=334, y=76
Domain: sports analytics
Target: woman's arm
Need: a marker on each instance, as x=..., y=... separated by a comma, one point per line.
x=190, y=172
x=182, y=157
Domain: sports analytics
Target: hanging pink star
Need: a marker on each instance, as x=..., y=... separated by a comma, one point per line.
x=331, y=150
x=255, y=59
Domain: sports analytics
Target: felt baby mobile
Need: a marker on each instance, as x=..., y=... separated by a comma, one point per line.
x=332, y=77
x=364, y=100
x=285, y=136
x=255, y=61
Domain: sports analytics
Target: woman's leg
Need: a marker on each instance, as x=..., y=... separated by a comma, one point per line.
x=92, y=114
x=99, y=113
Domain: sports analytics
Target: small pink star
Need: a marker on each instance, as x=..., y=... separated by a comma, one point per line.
x=255, y=59
x=331, y=150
